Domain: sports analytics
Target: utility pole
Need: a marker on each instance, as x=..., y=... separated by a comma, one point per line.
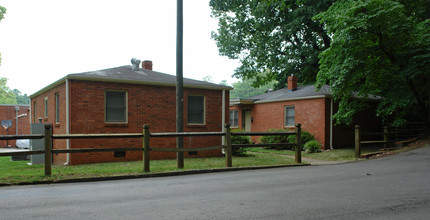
x=16, y=119
x=179, y=84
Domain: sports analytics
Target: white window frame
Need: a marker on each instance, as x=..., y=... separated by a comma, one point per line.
x=46, y=107
x=233, y=119
x=204, y=110
x=126, y=107
x=286, y=116
x=57, y=108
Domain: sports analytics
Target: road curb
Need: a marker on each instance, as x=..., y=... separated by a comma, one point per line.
x=151, y=175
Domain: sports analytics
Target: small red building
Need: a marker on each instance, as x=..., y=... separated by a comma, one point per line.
x=122, y=100
x=15, y=120
x=283, y=108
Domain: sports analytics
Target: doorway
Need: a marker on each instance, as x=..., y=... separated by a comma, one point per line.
x=247, y=120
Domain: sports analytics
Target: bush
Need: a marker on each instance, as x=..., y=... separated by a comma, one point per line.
x=306, y=137
x=239, y=151
x=275, y=139
x=312, y=146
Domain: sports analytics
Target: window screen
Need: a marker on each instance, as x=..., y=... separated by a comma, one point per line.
x=234, y=118
x=116, y=108
x=289, y=116
x=196, y=109
x=57, y=108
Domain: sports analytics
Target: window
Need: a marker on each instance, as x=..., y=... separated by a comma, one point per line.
x=196, y=109
x=57, y=108
x=116, y=106
x=35, y=113
x=234, y=118
x=289, y=114
x=46, y=107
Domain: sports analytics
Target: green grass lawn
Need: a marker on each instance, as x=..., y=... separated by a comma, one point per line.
x=13, y=172
x=329, y=155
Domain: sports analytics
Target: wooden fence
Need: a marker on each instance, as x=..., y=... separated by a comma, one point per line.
x=146, y=135
x=359, y=142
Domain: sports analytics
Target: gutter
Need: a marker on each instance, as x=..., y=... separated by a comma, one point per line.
x=67, y=120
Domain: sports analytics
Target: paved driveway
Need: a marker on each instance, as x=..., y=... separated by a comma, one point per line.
x=396, y=187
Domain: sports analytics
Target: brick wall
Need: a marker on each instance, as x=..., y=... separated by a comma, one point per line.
x=38, y=111
x=152, y=105
x=309, y=112
x=314, y=115
x=8, y=112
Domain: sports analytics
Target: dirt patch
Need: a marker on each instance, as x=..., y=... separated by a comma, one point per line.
x=411, y=146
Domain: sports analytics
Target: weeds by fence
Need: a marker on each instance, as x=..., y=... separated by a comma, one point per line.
x=146, y=136
x=391, y=135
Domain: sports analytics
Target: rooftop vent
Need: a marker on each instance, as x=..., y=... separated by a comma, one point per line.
x=135, y=64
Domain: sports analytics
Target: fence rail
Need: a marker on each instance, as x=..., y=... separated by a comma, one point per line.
x=264, y=145
x=146, y=135
x=96, y=136
x=359, y=142
x=16, y=137
x=22, y=153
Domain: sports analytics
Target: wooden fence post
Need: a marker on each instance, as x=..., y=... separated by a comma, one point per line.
x=146, y=148
x=48, y=148
x=357, y=142
x=385, y=136
x=298, y=150
x=228, y=153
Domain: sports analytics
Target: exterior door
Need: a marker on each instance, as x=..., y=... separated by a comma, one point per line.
x=247, y=120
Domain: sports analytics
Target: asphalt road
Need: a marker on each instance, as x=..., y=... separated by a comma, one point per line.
x=396, y=187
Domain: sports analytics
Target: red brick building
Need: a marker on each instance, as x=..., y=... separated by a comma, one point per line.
x=122, y=100
x=11, y=116
x=283, y=108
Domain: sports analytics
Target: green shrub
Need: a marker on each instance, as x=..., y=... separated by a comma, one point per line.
x=306, y=137
x=312, y=146
x=239, y=151
x=276, y=139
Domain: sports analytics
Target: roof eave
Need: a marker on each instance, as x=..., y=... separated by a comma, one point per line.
x=48, y=87
x=98, y=79
x=293, y=99
x=242, y=101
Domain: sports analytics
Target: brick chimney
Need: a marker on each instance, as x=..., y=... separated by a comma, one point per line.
x=292, y=83
x=147, y=64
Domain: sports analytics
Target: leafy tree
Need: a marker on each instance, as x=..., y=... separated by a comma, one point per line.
x=20, y=98
x=2, y=12
x=382, y=48
x=278, y=37
x=223, y=82
x=6, y=94
x=210, y=79
x=244, y=89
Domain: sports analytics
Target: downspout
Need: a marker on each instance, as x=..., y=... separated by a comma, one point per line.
x=67, y=121
x=31, y=112
x=331, y=123
x=223, y=116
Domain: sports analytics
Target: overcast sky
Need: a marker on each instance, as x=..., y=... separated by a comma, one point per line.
x=42, y=41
